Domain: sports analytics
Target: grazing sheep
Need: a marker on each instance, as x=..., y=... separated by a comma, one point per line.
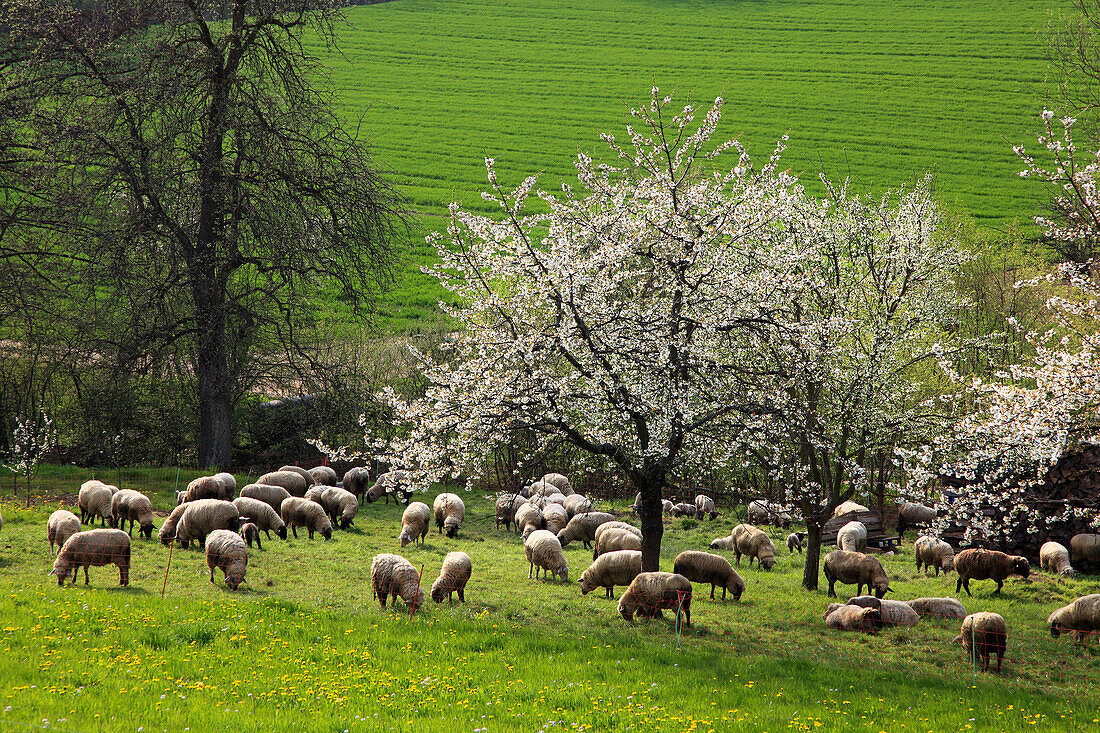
x=848, y=507
x=615, y=538
x=1084, y=550
x=914, y=515
x=555, y=517
x=577, y=504
x=983, y=634
x=167, y=531
x=541, y=488
x=559, y=482
x=794, y=542
x=133, y=506
x=251, y=533
x=325, y=476
x=544, y=551
x=934, y=553
x=94, y=501
x=202, y=517
x=61, y=525
x=608, y=526
x=294, y=483
x=987, y=565
x=852, y=537
x=260, y=512
x=528, y=519
x=1080, y=617
x=556, y=498
x=506, y=507
x=356, y=480
x=394, y=575
x=93, y=547
x=306, y=475
x=704, y=507
x=449, y=512
x=938, y=608
x=453, y=576
x=340, y=504
x=764, y=512
x=392, y=483
x=415, y=521
x=611, y=569
x=207, y=487
x=855, y=568
x=722, y=543
x=649, y=593
x=1055, y=558
x=313, y=493
x=583, y=527
x=854, y=618
x=894, y=613
x=226, y=551
x=703, y=567
x=301, y=512
x=229, y=481
x=273, y=496
x=754, y=543
x=683, y=509
x=666, y=506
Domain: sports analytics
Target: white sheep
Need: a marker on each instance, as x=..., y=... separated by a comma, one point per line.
x=755, y=544
x=207, y=487
x=93, y=547
x=849, y=507
x=294, y=483
x=340, y=504
x=226, y=551
x=555, y=517
x=1081, y=617
x=167, y=531
x=577, y=504
x=301, y=512
x=582, y=527
x=704, y=507
x=260, y=512
x=610, y=569
x=61, y=525
x=395, y=483
x=855, y=568
x=544, y=552
x=794, y=542
x=356, y=480
x=1055, y=558
x=306, y=475
x=615, y=538
x=133, y=506
x=845, y=617
x=94, y=500
x=394, y=575
x=559, y=482
x=852, y=537
x=415, y=521
x=273, y=496
x=506, y=507
x=938, y=608
x=528, y=519
x=933, y=553
x=703, y=567
x=650, y=593
x=202, y=517
x=1084, y=550
x=894, y=613
x=251, y=533
x=449, y=513
x=229, y=482
x=453, y=576
x=325, y=476
x=914, y=515
x=983, y=634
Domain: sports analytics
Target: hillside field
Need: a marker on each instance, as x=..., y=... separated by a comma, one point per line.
x=877, y=90
x=304, y=647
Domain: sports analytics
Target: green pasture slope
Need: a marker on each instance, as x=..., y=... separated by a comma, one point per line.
x=881, y=90
x=304, y=647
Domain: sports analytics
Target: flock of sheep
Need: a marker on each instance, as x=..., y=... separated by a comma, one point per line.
x=549, y=515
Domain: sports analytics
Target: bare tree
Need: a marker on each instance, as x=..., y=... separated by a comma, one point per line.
x=179, y=156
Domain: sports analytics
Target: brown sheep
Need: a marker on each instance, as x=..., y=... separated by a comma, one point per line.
x=987, y=565
x=855, y=568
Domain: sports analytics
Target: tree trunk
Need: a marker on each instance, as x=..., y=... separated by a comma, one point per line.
x=813, y=555
x=212, y=374
x=653, y=526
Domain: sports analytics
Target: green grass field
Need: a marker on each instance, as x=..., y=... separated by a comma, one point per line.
x=878, y=90
x=305, y=647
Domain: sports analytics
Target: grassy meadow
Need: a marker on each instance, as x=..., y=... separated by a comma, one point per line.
x=304, y=647
x=877, y=90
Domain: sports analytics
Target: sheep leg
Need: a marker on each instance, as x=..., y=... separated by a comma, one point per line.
x=85, y=575
x=461, y=595
x=258, y=545
x=211, y=573
x=712, y=591
x=609, y=591
x=530, y=570
x=958, y=584
x=999, y=584
x=294, y=529
x=832, y=592
x=311, y=532
x=1000, y=655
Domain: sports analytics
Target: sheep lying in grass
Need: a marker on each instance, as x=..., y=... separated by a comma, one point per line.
x=894, y=613
x=133, y=506
x=202, y=517
x=61, y=525
x=855, y=568
x=848, y=507
x=449, y=512
x=94, y=501
x=852, y=537
x=583, y=527
x=974, y=564
x=1055, y=558
x=650, y=593
x=611, y=569
x=95, y=547
x=226, y=551
x=543, y=552
x=794, y=542
x=703, y=567
x=933, y=553
x=273, y=496
x=983, y=634
x=415, y=522
x=301, y=512
x=853, y=618
x=453, y=577
x=394, y=575
x=1081, y=617
x=938, y=608
x=261, y=513
x=755, y=544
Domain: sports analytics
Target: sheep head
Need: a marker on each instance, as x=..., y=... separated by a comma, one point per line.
x=1020, y=565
